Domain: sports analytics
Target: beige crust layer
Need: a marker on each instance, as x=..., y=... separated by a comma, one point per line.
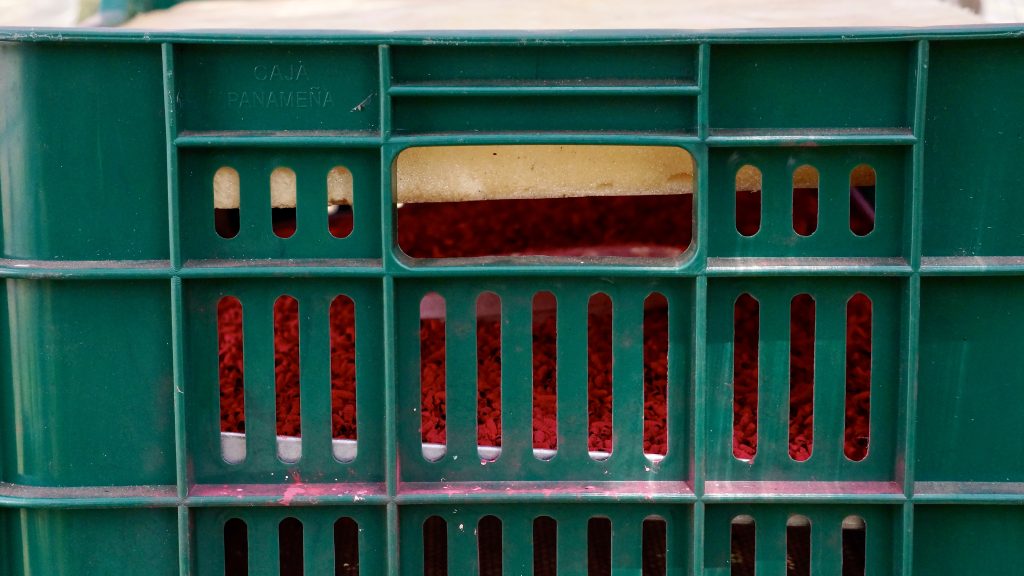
x=283, y=187
x=464, y=173
x=397, y=15
x=459, y=173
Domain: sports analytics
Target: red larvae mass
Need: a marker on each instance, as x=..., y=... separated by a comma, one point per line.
x=565, y=227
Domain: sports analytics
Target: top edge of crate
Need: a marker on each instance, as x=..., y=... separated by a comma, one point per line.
x=519, y=37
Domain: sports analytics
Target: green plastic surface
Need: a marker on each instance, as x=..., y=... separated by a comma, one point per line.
x=110, y=458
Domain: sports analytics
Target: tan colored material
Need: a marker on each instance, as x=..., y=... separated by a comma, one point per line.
x=748, y=178
x=509, y=172
x=283, y=192
x=226, y=192
x=339, y=186
x=398, y=15
x=460, y=173
x=283, y=188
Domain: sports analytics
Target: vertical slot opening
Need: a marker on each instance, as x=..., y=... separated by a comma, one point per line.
x=346, y=547
x=339, y=202
x=655, y=375
x=226, y=202
x=746, y=337
x=343, y=378
x=289, y=546
x=435, y=547
x=545, y=546
x=798, y=546
x=545, y=381
x=805, y=200
x=283, y=198
x=655, y=547
x=599, y=375
x=801, y=377
x=858, y=377
x=743, y=546
x=599, y=547
x=286, y=378
x=488, y=375
x=564, y=201
x=432, y=376
x=748, y=200
x=854, y=546
x=231, y=364
x=862, y=200
x=489, y=546
x=236, y=548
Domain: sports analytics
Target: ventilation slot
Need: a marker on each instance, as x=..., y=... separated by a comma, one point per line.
x=489, y=545
x=226, y=195
x=743, y=547
x=862, y=200
x=339, y=202
x=571, y=202
x=545, y=546
x=854, y=546
x=858, y=377
x=599, y=371
x=488, y=375
x=435, y=547
x=599, y=547
x=655, y=547
x=289, y=546
x=236, y=548
x=798, y=546
x=286, y=378
x=801, y=377
x=655, y=375
x=232, y=381
x=748, y=200
x=346, y=547
x=432, y=376
x=545, y=383
x=746, y=335
x=805, y=200
x=344, y=424
x=283, y=198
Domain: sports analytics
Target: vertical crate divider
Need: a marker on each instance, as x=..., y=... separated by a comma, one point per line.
x=912, y=340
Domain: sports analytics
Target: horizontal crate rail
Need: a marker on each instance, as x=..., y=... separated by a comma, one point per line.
x=940, y=267
x=715, y=266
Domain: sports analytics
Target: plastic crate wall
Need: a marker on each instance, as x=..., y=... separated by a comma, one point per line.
x=109, y=437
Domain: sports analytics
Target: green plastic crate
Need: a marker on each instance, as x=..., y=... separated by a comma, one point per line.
x=109, y=437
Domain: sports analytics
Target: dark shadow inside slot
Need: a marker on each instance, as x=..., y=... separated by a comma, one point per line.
x=290, y=547
x=854, y=546
x=346, y=547
x=798, y=548
x=655, y=547
x=284, y=221
x=227, y=222
x=743, y=547
x=236, y=548
x=435, y=547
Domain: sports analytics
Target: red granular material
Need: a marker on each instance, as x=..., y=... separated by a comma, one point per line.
x=286, y=369
x=432, y=378
x=555, y=226
x=559, y=226
x=545, y=390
